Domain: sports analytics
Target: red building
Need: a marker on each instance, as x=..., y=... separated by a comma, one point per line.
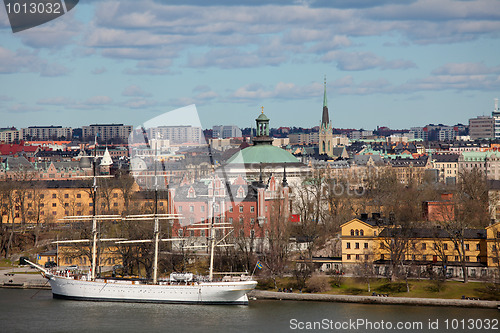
x=247, y=207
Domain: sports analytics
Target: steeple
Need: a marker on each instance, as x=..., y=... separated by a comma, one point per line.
x=325, y=120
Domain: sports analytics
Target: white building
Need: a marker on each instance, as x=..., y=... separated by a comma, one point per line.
x=107, y=132
x=45, y=133
x=226, y=131
x=9, y=135
x=178, y=134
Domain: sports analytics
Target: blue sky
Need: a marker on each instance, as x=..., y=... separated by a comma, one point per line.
x=396, y=63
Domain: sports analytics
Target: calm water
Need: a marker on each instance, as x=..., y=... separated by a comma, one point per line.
x=37, y=311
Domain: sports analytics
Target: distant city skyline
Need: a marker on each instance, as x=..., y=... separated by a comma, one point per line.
x=389, y=63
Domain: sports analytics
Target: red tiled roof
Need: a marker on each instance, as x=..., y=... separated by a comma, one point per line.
x=16, y=148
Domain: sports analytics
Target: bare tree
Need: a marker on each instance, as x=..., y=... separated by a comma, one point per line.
x=276, y=249
x=469, y=209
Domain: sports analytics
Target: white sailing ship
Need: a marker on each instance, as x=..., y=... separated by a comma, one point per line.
x=178, y=288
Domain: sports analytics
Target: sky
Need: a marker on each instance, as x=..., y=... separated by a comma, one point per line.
x=395, y=63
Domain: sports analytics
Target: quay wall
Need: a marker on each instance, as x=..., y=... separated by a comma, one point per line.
x=272, y=295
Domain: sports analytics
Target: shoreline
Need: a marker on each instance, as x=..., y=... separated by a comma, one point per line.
x=35, y=281
x=273, y=295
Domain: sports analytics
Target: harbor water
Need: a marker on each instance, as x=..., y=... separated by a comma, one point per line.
x=24, y=310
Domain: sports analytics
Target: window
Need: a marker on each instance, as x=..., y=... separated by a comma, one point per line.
x=252, y=209
x=180, y=209
x=348, y=245
x=366, y=245
x=241, y=209
x=348, y=257
x=252, y=220
x=467, y=258
x=202, y=209
x=478, y=259
x=54, y=204
x=191, y=209
x=424, y=246
x=466, y=247
x=241, y=220
x=456, y=258
x=115, y=195
x=424, y=257
x=478, y=247
x=54, y=195
x=230, y=209
x=191, y=233
x=203, y=233
x=230, y=220
x=366, y=257
x=356, y=245
x=357, y=256
x=445, y=246
x=78, y=195
x=66, y=195
x=382, y=256
x=361, y=232
x=357, y=232
x=352, y=232
x=180, y=232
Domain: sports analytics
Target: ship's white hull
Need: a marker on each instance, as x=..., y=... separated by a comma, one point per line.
x=133, y=291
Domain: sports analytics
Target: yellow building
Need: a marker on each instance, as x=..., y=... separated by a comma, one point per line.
x=493, y=245
x=447, y=165
x=49, y=201
x=360, y=239
x=68, y=255
x=373, y=241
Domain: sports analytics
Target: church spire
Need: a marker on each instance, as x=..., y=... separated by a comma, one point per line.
x=325, y=120
x=325, y=103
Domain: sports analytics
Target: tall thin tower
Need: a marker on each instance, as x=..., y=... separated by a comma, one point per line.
x=325, y=130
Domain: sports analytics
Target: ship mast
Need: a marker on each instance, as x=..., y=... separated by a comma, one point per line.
x=94, y=217
x=212, y=235
x=157, y=224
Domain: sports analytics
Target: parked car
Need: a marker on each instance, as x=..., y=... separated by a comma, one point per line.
x=50, y=264
x=73, y=267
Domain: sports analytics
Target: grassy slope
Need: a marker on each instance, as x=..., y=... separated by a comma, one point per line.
x=418, y=288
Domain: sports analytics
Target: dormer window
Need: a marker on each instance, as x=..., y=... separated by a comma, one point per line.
x=191, y=193
x=240, y=193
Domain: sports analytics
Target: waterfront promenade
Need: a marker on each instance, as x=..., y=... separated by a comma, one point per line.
x=22, y=277
x=261, y=294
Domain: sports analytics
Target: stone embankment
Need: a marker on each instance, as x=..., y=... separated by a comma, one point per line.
x=22, y=278
x=260, y=294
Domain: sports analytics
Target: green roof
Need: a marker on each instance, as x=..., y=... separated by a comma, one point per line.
x=262, y=116
x=262, y=154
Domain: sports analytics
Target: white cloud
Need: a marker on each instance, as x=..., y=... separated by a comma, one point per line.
x=61, y=101
x=357, y=61
x=465, y=69
x=99, y=70
x=135, y=91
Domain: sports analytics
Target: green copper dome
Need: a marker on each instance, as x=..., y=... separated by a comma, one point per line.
x=262, y=116
x=262, y=154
